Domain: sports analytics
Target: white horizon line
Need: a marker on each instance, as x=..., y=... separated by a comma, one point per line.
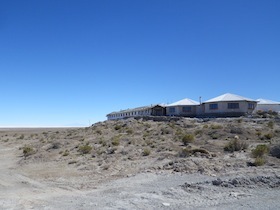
x=44, y=126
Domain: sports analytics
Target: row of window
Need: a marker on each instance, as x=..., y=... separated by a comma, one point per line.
x=184, y=109
x=230, y=106
x=127, y=114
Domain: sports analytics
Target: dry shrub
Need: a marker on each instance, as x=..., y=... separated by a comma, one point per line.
x=85, y=149
x=146, y=152
x=27, y=151
x=116, y=141
x=259, y=161
x=187, y=138
x=216, y=126
x=188, y=152
x=260, y=151
x=268, y=136
x=184, y=153
x=235, y=145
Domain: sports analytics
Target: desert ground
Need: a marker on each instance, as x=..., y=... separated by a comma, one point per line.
x=168, y=163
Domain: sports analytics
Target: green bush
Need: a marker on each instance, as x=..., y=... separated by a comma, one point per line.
x=268, y=136
x=118, y=127
x=200, y=150
x=235, y=145
x=216, y=126
x=129, y=131
x=187, y=138
x=66, y=153
x=99, y=132
x=270, y=124
x=188, y=152
x=85, y=149
x=27, y=151
x=116, y=141
x=260, y=151
x=259, y=161
x=146, y=152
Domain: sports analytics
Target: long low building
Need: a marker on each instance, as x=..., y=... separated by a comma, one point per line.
x=153, y=110
x=226, y=105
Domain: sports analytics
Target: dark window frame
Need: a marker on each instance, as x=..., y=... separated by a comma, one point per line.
x=213, y=106
x=251, y=106
x=186, y=109
x=233, y=105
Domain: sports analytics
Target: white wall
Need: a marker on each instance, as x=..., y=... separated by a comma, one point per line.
x=267, y=107
x=223, y=107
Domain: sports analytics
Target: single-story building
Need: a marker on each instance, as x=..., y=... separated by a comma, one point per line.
x=229, y=105
x=267, y=105
x=153, y=110
x=185, y=108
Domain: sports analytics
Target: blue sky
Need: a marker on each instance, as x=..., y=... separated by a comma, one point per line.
x=71, y=62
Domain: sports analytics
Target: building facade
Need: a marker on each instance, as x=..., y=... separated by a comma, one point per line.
x=185, y=107
x=226, y=105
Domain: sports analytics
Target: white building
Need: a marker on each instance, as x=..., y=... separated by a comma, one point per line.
x=153, y=110
x=229, y=105
x=185, y=107
x=267, y=105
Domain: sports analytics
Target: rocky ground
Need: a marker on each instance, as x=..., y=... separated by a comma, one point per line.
x=175, y=163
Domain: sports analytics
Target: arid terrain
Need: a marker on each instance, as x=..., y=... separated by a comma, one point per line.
x=165, y=163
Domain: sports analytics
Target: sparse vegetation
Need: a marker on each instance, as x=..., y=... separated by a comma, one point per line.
x=27, y=151
x=187, y=138
x=99, y=132
x=216, y=126
x=270, y=124
x=235, y=145
x=129, y=131
x=118, y=127
x=268, y=136
x=185, y=152
x=65, y=153
x=260, y=151
x=259, y=161
x=116, y=140
x=85, y=149
x=146, y=152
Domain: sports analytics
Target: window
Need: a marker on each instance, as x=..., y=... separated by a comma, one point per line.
x=172, y=109
x=233, y=105
x=213, y=106
x=187, y=108
x=251, y=106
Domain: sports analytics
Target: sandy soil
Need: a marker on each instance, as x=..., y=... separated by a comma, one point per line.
x=49, y=180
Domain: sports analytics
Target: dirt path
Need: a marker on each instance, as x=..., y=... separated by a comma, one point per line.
x=142, y=191
x=17, y=190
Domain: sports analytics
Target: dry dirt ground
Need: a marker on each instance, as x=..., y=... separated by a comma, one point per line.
x=141, y=164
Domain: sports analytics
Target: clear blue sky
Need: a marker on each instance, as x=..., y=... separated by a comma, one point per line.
x=68, y=62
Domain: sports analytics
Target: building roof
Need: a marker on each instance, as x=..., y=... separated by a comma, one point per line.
x=267, y=102
x=136, y=109
x=185, y=102
x=228, y=97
